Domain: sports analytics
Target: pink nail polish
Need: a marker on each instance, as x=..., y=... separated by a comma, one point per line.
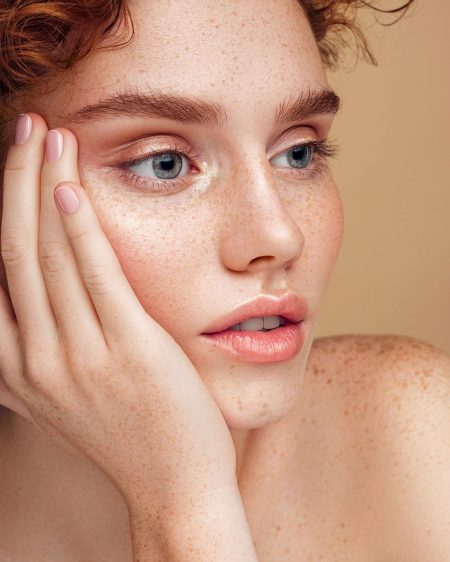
x=23, y=128
x=54, y=145
x=67, y=199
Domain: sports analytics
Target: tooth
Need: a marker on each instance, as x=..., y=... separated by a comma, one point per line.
x=253, y=324
x=268, y=323
x=271, y=322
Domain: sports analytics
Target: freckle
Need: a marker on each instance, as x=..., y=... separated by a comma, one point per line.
x=329, y=381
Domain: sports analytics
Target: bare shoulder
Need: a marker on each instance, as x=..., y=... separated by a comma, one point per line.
x=386, y=402
x=361, y=354
x=387, y=374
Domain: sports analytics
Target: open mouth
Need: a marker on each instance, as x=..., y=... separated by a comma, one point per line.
x=260, y=324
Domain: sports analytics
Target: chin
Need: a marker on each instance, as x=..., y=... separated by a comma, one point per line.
x=259, y=403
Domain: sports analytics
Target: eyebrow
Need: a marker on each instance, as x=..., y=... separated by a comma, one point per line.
x=193, y=111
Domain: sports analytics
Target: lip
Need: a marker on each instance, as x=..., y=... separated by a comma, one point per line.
x=291, y=306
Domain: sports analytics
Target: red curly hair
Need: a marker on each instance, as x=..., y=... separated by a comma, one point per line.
x=40, y=38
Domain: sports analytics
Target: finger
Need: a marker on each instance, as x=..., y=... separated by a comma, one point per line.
x=19, y=237
x=9, y=344
x=75, y=314
x=118, y=308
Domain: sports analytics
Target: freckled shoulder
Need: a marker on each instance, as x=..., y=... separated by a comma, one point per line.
x=363, y=379
x=381, y=404
x=393, y=359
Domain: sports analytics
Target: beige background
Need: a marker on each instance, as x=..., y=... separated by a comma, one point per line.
x=393, y=273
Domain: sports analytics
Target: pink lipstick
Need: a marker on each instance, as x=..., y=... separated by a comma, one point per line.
x=278, y=344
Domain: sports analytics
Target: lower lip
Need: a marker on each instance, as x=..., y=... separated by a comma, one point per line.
x=280, y=344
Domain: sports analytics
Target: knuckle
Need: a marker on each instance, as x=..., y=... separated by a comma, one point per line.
x=96, y=280
x=13, y=169
x=81, y=237
x=14, y=247
x=53, y=256
x=34, y=370
x=38, y=372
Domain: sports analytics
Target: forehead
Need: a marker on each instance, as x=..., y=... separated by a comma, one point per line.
x=237, y=52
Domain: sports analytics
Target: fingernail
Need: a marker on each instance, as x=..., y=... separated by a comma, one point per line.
x=23, y=128
x=67, y=199
x=54, y=145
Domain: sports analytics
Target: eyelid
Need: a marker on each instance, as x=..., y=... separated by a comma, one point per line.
x=176, y=146
x=322, y=150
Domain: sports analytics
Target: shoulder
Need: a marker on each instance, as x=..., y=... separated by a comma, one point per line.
x=379, y=346
x=394, y=360
x=388, y=404
x=394, y=387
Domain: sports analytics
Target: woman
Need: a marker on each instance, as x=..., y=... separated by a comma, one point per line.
x=156, y=197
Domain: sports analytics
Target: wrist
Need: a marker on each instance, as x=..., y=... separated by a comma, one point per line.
x=201, y=527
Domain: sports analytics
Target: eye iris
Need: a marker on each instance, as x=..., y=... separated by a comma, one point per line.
x=301, y=156
x=168, y=165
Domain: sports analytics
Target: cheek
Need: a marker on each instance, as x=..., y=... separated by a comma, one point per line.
x=331, y=228
x=158, y=251
x=323, y=227
x=171, y=258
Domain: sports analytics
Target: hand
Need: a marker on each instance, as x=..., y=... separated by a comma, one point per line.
x=94, y=370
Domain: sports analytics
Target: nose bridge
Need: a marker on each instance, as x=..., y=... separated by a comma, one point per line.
x=255, y=193
x=259, y=230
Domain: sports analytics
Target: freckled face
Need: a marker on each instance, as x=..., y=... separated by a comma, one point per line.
x=233, y=218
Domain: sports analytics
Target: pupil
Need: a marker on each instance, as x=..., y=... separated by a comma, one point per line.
x=167, y=166
x=301, y=156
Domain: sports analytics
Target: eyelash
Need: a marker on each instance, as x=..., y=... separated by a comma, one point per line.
x=322, y=150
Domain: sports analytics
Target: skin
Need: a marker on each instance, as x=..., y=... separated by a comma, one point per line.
x=194, y=255
x=250, y=209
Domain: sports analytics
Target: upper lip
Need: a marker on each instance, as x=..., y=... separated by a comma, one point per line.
x=291, y=306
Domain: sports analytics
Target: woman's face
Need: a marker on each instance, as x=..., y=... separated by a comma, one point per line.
x=234, y=218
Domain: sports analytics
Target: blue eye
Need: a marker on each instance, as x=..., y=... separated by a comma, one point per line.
x=167, y=171
x=164, y=166
x=297, y=157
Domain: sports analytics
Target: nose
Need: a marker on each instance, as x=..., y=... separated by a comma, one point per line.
x=260, y=233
